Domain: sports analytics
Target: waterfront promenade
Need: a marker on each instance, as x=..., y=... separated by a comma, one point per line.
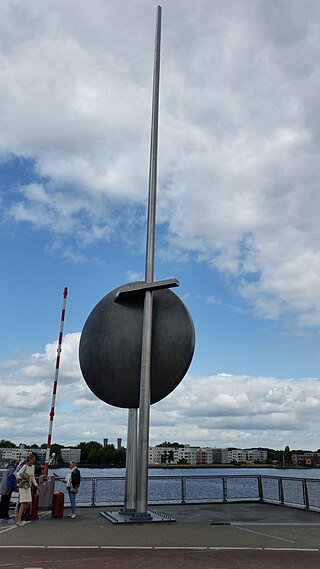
x=204, y=536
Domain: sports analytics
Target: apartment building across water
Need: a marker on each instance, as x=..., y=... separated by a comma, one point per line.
x=19, y=453
x=204, y=455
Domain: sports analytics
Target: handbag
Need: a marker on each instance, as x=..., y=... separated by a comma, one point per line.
x=23, y=483
x=24, y=480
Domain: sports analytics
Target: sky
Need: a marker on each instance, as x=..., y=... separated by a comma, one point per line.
x=238, y=206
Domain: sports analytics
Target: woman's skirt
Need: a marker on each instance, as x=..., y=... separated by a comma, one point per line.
x=25, y=495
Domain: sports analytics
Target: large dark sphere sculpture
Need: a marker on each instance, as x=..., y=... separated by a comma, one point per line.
x=111, y=341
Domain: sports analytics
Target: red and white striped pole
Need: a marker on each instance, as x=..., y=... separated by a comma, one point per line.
x=55, y=383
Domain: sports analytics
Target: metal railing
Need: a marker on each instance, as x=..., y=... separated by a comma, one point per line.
x=295, y=492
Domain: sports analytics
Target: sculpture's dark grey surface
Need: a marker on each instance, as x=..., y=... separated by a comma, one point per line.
x=111, y=340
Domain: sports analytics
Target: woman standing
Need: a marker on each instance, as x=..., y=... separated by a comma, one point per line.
x=25, y=478
x=9, y=484
x=72, y=480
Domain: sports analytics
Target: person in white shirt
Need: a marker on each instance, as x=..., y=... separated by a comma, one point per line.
x=72, y=480
x=25, y=479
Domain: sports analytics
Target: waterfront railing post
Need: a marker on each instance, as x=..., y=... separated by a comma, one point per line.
x=305, y=494
x=281, y=495
x=183, y=490
x=260, y=488
x=225, y=489
x=94, y=492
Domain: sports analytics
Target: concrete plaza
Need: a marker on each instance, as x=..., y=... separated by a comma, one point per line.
x=204, y=536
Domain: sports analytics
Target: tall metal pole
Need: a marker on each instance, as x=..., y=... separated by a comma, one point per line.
x=144, y=402
x=131, y=464
x=55, y=382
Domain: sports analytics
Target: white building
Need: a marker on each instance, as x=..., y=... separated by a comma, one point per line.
x=20, y=453
x=173, y=455
x=206, y=455
x=237, y=455
x=68, y=454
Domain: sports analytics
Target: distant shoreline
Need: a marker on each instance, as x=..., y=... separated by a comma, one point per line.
x=198, y=466
x=211, y=466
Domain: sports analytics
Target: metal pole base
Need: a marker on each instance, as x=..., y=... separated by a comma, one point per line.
x=132, y=518
x=142, y=517
x=126, y=511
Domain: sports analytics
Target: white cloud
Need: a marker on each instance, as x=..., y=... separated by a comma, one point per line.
x=134, y=276
x=239, y=133
x=226, y=410
x=217, y=410
x=26, y=387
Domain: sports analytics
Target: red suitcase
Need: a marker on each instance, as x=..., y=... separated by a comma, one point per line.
x=34, y=507
x=57, y=505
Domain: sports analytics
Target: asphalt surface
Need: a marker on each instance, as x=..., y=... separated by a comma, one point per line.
x=208, y=536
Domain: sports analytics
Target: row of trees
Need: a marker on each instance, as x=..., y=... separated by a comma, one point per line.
x=95, y=454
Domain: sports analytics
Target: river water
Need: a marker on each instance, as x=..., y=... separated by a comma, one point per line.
x=175, y=485
x=230, y=471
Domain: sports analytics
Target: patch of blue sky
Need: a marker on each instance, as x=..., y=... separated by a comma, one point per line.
x=17, y=170
x=229, y=338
